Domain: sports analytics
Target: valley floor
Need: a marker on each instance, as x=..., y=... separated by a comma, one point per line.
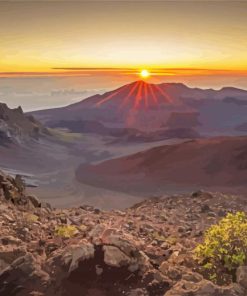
x=49, y=167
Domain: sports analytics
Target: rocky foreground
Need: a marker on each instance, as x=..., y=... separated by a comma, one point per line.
x=145, y=250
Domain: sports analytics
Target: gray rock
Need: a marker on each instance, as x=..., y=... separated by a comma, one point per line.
x=114, y=257
x=242, y=276
x=34, y=201
x=76, y=253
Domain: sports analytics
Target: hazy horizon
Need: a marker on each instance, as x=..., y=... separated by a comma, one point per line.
x=31, y=94
x=54, y=53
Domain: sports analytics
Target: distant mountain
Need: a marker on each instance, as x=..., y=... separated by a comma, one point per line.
x=150, y=107
x=16, y=127
x=215, y=162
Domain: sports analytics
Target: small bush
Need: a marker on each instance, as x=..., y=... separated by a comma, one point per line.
x=66, y=231
x=224, y=248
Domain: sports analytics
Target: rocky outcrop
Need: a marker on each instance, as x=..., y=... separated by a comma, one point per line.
x=145, y=250
x=13, y=189
x=16, y=127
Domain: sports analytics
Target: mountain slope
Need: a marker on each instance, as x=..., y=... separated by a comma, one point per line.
x=145, y=250
x=214, y=162
x=152, y=106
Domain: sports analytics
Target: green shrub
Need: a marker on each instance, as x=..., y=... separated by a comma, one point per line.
x=66, y=231
x=224, y=248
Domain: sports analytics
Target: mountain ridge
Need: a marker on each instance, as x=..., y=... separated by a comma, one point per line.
x=148, y=107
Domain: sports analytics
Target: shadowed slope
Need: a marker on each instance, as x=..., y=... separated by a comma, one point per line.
x=209, y=162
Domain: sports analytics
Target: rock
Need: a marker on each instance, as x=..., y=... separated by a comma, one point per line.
x=232, y=290
x=211, y=214
x=10, y=240
x=99, y=270
x=3, y=264
x=8, y=217
x=138, y=292
x=46, y=206
x=34, y=201
x=23, y=275
x=10, y=253
x=158, y=288
x=222, y=213
x=242, y=276
x=97, y=211
x=87, y=208
x=123, y=244
x=207, y=288
x=63, y=220
x=114, y=257
x=174, y=273
x=51, y=246
x=205, y=208
x=181, y=229
x=165, y=245
x=202, y=194
x=96, y=233
x=170, y=271
x=76, y=253
x=192, y=277
x=143, y=251
x=197, y=193
x=20, y=184
x=185, y=288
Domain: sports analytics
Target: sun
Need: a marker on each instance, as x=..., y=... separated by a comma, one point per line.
x=144, y=73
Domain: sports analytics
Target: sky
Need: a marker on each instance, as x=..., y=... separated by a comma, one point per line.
x=201, y=43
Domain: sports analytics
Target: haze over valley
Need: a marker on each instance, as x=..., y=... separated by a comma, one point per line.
x=55, y=148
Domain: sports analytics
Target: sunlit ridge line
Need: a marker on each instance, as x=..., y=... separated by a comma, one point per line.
x=110, y=96
x=126, y=99
x=138, y=97
x=145, y=95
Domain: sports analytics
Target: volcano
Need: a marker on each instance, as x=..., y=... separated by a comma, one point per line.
x=149, y=107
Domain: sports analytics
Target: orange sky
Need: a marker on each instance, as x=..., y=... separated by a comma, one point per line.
x=179, y=38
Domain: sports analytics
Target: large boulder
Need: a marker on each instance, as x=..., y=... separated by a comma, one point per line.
x=12, y=189
x=22, y=277
x=76, y=253
x=204, y=288
x=8, y=254
x=186, y=288
x=113, y=256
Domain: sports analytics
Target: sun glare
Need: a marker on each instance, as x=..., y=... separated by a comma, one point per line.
x=144, y=74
